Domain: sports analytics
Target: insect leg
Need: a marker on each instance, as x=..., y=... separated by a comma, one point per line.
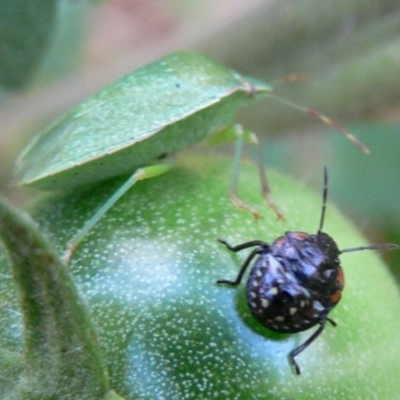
x=332, y=322
x=303, y=346
x=243, y=246
x=265, y=189
x=238, y=279
x=237, y=134
x=233, y=192
x=140, y=174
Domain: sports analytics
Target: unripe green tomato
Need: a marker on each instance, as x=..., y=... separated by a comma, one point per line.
x=148, y=272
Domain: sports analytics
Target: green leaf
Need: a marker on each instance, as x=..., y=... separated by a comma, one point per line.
x=11, y=366
x=61, y=355
x=26, y=28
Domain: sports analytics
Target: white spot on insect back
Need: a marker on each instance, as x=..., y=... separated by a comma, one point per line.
x=264, y=303
x=284, y=327
x=255, y=284
x=273, y=291
x=253, y=295
x=318, y=305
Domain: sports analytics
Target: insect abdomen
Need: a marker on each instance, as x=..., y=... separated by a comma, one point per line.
x=278, y=301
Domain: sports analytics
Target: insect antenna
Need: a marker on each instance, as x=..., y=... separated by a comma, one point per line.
x=324, y=197
x=386, y=246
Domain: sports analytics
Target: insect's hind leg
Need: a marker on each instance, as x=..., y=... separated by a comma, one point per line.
x=294, y=353
x=140, y=174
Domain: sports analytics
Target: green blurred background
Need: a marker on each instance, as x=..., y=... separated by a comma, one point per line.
x=53, y=54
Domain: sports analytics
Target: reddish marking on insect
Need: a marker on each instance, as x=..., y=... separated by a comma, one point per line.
x=280, y=241
x=336, y=297
x=299, y=235
x=340, y=277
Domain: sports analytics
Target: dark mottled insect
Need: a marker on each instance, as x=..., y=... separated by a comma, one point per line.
x=296, y=281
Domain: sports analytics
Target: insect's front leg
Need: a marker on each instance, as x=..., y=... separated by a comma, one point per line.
x=262, y=247
x=245, y=245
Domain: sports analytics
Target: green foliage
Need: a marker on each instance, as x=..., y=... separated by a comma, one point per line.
x=61, y=358
x=26, y=29
x=147, y=273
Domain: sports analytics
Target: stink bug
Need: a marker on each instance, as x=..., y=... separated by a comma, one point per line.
x=127, y=127
x=296, y=281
